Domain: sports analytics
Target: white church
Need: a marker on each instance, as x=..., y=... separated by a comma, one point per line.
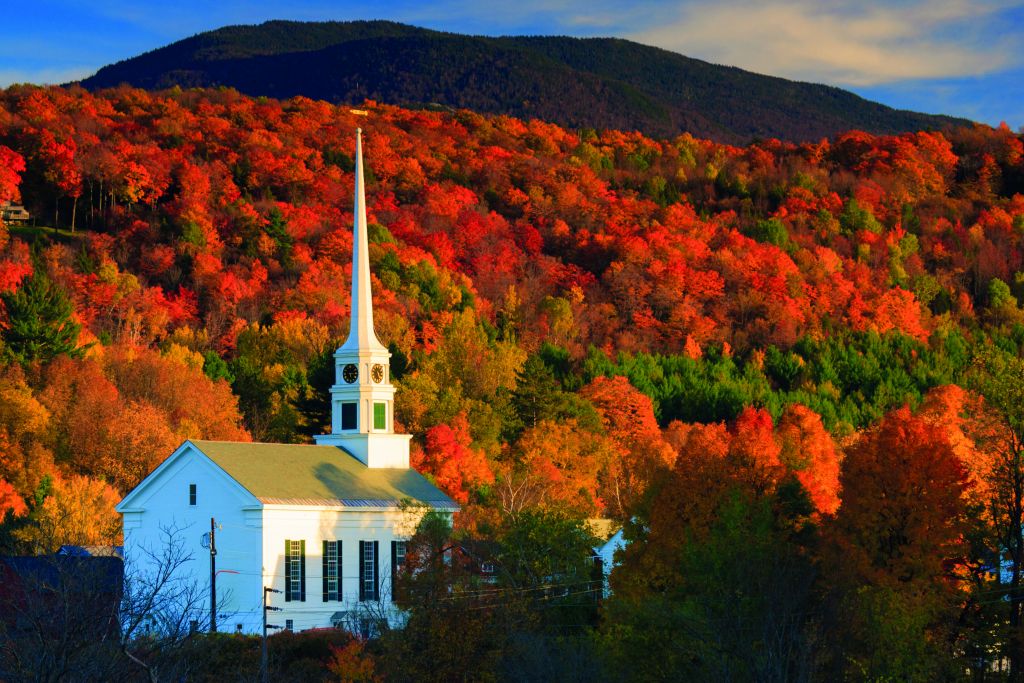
x=325, y=525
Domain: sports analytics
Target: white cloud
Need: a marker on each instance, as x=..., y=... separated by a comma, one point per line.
x=846, y=43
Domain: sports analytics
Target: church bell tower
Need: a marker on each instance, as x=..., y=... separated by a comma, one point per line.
x=362, y=397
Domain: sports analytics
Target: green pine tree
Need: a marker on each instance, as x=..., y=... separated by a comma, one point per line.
x=537, y=393
x=39, y=325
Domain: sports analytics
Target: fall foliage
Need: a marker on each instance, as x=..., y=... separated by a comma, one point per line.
x=805, y=345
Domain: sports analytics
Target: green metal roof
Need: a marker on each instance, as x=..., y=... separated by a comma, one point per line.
x=318, y=475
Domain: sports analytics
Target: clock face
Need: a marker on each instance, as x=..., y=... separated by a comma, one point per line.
x=377, y=373
x=350, y=373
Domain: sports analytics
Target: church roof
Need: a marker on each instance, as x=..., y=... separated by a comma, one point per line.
x=318, y=475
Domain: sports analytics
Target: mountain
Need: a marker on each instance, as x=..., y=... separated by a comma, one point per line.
x=575, y=82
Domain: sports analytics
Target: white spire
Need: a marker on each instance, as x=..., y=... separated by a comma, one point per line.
x=360, y=331
x=363, y=397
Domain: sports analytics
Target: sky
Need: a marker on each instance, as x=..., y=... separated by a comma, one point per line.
x=952, y=57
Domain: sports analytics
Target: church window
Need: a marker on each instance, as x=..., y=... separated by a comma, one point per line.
x=397, y=562
x=294, y=571
x=289, y=624
x=380, y=415
x=368, y=570
x=191, y=494
x=332, y=571
x=349, y=416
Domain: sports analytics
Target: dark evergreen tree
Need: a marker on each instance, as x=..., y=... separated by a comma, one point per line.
x=39, y=324
x=539, y=396
x=314, y=402
x=537, y=392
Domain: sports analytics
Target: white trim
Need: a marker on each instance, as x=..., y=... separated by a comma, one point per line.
x=270, y=507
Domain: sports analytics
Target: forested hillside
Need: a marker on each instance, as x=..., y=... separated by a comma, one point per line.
x=796, y=368
x=595, y=82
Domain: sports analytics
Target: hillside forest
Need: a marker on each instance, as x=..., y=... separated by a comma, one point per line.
x=792, y=371
x=574, y=82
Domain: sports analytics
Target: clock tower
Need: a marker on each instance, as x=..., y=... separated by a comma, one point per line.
x=362, y=397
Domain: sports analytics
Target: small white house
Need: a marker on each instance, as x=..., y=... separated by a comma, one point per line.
x=605, y=556
x=323, y=524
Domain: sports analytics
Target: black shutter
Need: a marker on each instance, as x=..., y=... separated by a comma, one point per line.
x=362, y=573
x=287, y=571
x=302, y=571
x=325, y=570
x=376, y=570
x=394, y=567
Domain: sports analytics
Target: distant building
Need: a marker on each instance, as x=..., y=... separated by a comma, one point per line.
x=92, y=551
x=46, y=597
x=13, y=214
x=324, y=524
x=604, y=554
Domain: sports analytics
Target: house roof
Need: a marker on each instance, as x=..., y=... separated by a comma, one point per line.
x=92, y=550
x=53, y=571
x=318, y=475
x=602, y=528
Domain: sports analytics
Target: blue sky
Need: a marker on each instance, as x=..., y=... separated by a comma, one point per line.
x=937, y=56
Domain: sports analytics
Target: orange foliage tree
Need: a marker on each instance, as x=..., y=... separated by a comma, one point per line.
x=10, y=502
x=77, y=510
x=556, y=466
x=117, y=416
x=351, y=663
x=25, y=427
x=808, y=450
x=642, y=453
x=903, y=506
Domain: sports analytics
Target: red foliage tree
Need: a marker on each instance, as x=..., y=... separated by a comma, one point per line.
x=449, y=457
x=12, y=165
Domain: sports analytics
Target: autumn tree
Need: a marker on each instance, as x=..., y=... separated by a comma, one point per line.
x=76, y=510
x=809, y=451
x=25, y=455
x=628, y=419
x=11, y=166
x=720, y=544
x=352, y=664
x=555, y=466
x=998, y=432
x=450, y=458
x=10, y=502
x=902, y=519
x=439, y=586
x=902, y=511
x=118, y=415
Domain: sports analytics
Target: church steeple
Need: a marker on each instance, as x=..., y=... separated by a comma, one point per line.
x=362, y=398
x=360, y=329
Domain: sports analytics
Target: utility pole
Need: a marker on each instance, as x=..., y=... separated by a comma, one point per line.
x=264, y=664
x=213, y=577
